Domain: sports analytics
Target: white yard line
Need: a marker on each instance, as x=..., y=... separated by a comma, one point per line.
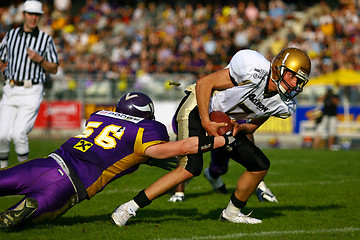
x=264, y=234
x=315, y=183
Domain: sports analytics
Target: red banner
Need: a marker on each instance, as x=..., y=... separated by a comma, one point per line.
x=59, y=115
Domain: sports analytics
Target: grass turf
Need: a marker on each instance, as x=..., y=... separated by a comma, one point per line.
x=317, y=190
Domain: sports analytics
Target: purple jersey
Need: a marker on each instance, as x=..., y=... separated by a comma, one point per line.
x=112, y=145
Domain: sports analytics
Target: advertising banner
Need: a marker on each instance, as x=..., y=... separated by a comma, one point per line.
x=59, y=115
x=302, y=114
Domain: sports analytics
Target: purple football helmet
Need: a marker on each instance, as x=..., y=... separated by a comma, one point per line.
x=136, y=104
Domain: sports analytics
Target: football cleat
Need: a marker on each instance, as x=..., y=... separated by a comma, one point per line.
x=217, y=184
x=13, y=217
x=122, y=214
x=264, y=194
x=222, y=190
x=177, y=197
x=239, y=218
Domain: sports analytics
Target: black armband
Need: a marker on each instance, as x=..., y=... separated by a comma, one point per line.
x=206, y=143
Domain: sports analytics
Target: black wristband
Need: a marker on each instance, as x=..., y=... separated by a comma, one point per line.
x=42, y=61
x=206, y=143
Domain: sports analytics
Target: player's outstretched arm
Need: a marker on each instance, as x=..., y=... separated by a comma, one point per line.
x=184, y=147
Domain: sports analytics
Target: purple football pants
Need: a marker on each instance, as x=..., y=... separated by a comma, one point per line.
x=42, y=179
x=219, y=163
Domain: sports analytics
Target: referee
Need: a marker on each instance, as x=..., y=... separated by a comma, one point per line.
x=26, y=55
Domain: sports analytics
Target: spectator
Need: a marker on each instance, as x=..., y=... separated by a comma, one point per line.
x=119, y=25
x=328, y=124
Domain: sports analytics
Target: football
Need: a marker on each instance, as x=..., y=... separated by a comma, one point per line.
x=221, y=117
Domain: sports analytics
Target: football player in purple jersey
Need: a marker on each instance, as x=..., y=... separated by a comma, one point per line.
x=114, y=143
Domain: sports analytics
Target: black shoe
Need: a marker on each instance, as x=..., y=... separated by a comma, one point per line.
x=215, y=183
x=221, y=190
x=13, y=217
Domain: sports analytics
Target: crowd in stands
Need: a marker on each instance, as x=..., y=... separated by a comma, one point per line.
x=114, y=41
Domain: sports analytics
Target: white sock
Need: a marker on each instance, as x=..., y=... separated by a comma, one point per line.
x=231, y=209
x=133, y=205
x=22, y=158
x=4, y=163
x=179, y=194
x=262, y=185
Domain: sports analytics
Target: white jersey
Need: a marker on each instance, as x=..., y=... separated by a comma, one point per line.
x=250, y=71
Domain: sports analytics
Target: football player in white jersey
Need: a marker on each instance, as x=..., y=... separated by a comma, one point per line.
x=248, y=72
x=249, y=88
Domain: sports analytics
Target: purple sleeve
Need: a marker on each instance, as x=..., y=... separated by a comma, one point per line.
x=154, y=131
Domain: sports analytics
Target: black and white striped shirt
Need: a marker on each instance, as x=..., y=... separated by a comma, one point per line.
x=13, y=51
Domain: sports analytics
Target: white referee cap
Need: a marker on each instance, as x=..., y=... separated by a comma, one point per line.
x=33, y=7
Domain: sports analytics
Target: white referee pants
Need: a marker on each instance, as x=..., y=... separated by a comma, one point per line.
x=19, y=107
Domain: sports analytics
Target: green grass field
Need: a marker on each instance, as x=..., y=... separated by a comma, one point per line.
x=318, y=193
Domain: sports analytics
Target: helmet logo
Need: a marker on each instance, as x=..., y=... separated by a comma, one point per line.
x=146, y=108
x=128, y=96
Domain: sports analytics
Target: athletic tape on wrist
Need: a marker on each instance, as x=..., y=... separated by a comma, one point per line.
x=206, y=143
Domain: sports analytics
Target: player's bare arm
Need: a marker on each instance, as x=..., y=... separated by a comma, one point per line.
x=204, y=87
x=179, y=148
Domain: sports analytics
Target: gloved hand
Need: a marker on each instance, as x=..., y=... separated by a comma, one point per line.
x=167, y=163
